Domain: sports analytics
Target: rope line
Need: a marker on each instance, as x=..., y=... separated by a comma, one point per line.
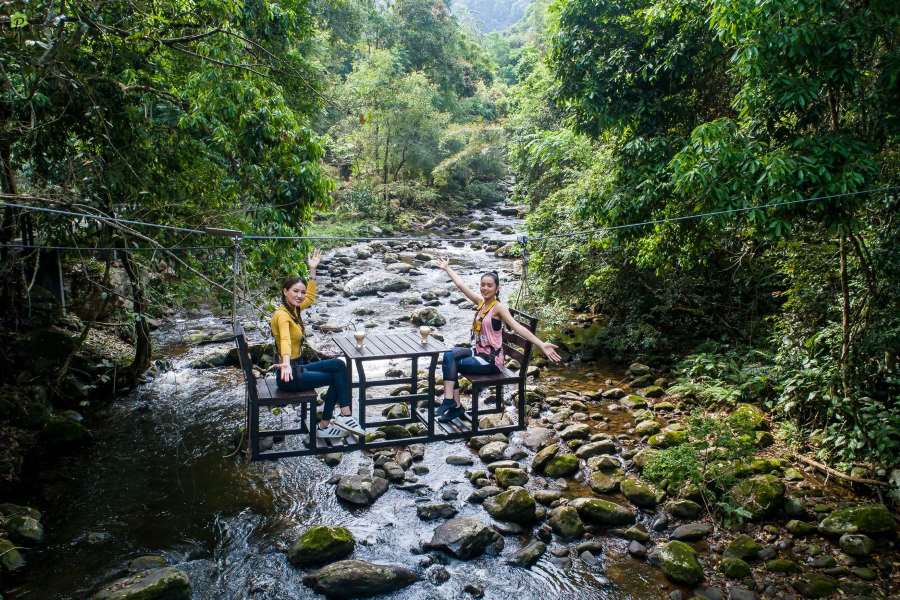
x=110, y=248
x=571, y=234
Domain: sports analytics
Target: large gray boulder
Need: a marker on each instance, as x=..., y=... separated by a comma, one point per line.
x=463, y=537
x=515, y=505
x=679, y=562
x=427, y=316
x=321, y=544
x=361, y=489
x=167, y=583
x=872, y=519
x=358, y=579
x=372, y=282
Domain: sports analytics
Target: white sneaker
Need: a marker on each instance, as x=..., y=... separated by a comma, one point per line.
x=330, y=433
x=349, y=424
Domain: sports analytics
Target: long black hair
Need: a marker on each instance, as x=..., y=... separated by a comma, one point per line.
x=286, y=284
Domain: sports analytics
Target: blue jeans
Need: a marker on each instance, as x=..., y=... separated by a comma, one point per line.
x=331, y=372
x=462, y=360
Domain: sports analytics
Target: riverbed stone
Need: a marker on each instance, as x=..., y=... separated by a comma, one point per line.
x=167, y=583
x=749, y=416
x=667, y=438
x=515, y=504
x=734, y=568
x=648, y=427
x=508, y=477
x=372, y=282
x=633, y=402
x=358, y=579
x=593, y=449
x=492, y=451
x=684, y=509
x=528, y=555
x=871, y=519
x=321, y=544
x=429, y=511
x=10, y=557
x=463, y=538
x=427, y=316
x=679, y=562
x=797, y=527
x=604, y=462
x=460, y=460
x=641, y=493
x=605, y=483
x=566, y=523
x=597, y=511
x=816, y=585
x=361, y=489
x=561, y=465
x=782, y=565
x=743, y=547
x=547, y=497
x=575, y=431
x=759, y=495
x=691, y=532
x=23, y=528
x=857, y=544
x=543, y=457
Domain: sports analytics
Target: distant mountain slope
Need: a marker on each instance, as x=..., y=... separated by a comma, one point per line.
x=490, y=15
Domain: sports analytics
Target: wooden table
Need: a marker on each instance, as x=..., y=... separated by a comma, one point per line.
x=387, y=346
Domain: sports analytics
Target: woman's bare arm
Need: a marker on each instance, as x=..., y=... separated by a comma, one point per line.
x=444, y=264
x=547, y=348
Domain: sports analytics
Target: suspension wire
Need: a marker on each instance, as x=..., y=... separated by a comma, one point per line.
x=573, y=234
x=16, y=245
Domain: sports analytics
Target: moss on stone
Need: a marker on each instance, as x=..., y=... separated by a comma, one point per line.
x=322, y=544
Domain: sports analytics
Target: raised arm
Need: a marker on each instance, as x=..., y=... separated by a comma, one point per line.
x=312, y=262
x=547, y=348
x=444, y=264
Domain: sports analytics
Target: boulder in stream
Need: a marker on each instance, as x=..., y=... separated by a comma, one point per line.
x=358, y=579
x=167, y=583
x=515, y=504
x=463, y=538
x=361, y=489
x=372, y=282
x=321, y=544
x=679, y=562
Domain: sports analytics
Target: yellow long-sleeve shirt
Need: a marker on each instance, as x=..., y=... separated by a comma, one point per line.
x=286, y=330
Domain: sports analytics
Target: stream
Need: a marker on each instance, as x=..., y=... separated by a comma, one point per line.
x=162, y=477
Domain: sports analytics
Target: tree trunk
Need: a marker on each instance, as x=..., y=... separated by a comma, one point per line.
x=10, y=288
x=845, y=318
x=142, y=343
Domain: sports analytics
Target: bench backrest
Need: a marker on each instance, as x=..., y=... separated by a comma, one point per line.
x=514, y=345
x=243, y=352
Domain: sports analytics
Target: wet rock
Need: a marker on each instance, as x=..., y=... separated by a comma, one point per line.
x=652, y=391
x=474, y=590
x=482, y=494
x=576, y=431
x=604, y=483
x=321, y=544
x=590, y=560
x=647, y=427
x=463, y=538
x=492, y=451
x=515, y=505
x=633, y=402
x=394, y=432
x=23, y=528
x=613, y=394
x=641, y=494
x=743, y=547
x=604, y=462
x=816, y=585
x=358, y=579
x=566, y=523
x=637, y=549
x=872, y=519
x=10, y=557
x=399, y=410
x=601, y=512
x=502, y=464
x=781, y=565
x=167, y=583
x=547, y=497
x=561, y=465
x=800, y=527
x=507, y=477
x=594, y=449
x=857, y=544
x=734, y=568
x=543, y=457
x=460, y=460
x=535, y=437
x=637, y=533
x=437, y=574
x=372, y=282
x=759, y=495
x=427, y=316
x=360, y=489
x=528, y=555
x=667, y=438
x=691, y=532
x=684, y=509
x=435, y=510
x=640, y=459
x=679, y=562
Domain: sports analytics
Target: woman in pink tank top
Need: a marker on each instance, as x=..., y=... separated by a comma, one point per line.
x=487, y=336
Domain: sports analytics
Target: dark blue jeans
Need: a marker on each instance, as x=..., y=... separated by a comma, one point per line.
x=462, y=360
x=308, y=376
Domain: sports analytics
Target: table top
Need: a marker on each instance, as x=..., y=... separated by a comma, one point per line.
x=389, y=345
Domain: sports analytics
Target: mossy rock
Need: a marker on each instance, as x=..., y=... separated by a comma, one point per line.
x=507, y=477
x=816, y=585
x=399, y=410
x=561, y=465
x=734, y=568
x=743, y=547
x=394, y=432
x=322, y=544
x=667, y=439
x=871, y=519
x=748, y=416
x=653, y=391
x=515, y=505
x=167, y=583
x=24, y=529
x=641, y=458
x=759, y=495
x=647, y=427
x=543, y=457
x=566, y=523
x=63, y=434
x=679, y=562
x=633, y=402
x=781, y=565
x=640, y=493
x=798, y=527
x=603, y=483
x=597, y=511
x=10, y=557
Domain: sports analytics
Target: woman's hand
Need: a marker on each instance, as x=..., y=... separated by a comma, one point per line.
x=443, y=263
x=313, y=260
x=285, y=371
x=549, y=351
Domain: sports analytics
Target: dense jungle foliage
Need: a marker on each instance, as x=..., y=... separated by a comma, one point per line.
x=343, y=115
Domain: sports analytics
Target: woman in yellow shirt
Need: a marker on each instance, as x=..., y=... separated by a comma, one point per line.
x=294, y=374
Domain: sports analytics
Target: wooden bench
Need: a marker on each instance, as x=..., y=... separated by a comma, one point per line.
x=516, y=347
x=264, y=392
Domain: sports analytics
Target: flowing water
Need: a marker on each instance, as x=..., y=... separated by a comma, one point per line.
x=162, y=477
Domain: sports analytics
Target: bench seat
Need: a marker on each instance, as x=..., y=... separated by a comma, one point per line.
x=504, y=376
x=268, y=394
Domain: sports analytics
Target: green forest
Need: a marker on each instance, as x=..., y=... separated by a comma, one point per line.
x=708, y=187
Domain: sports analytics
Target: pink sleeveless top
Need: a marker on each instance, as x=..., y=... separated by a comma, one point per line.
x=490, y=339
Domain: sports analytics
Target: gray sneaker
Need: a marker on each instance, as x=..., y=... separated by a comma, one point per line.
x=330, y=433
